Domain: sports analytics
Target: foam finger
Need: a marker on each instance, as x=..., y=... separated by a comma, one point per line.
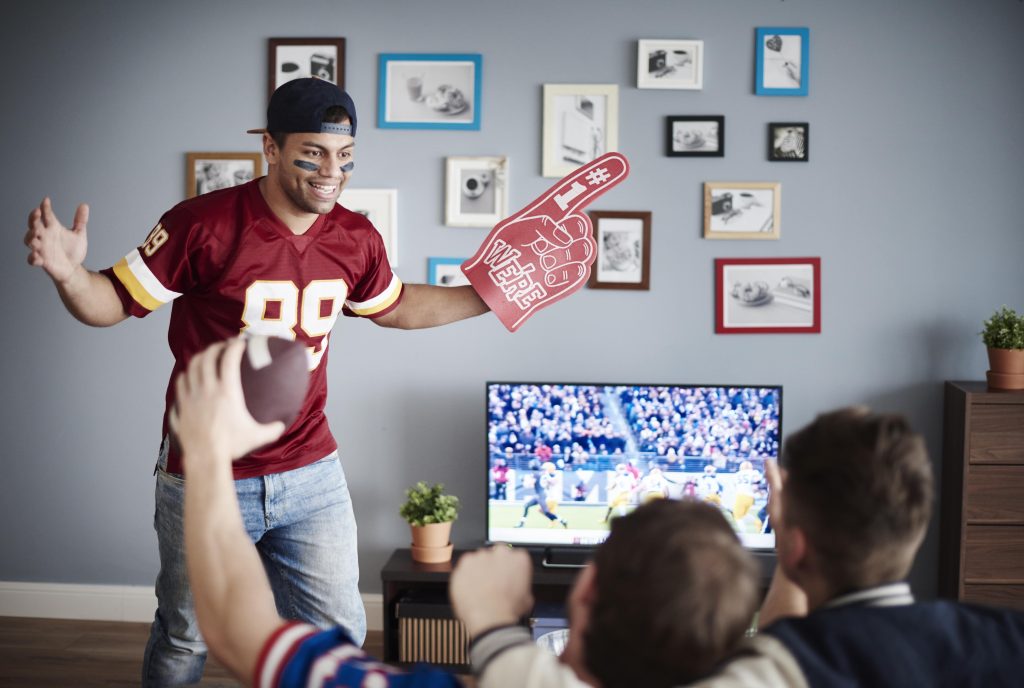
x=579, y=251
x=565, y=274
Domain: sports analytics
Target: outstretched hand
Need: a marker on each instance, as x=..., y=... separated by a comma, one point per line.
x=491, y=587
x=52, y=246
x=209, y=417
x=544, y=252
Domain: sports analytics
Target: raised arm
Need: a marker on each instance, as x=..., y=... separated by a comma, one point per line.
x=59, y=251
x=424, y=305
x=233, y=599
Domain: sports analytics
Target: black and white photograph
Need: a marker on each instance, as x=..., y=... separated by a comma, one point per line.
x=446, y=272
x=429, y=91
x=700, y=136
x=623, y=250
x=789, y=141
x=206, y=172
x=476, y=191
x=380, y=206
x=748, y=210
x=581, y=123
x=782, y=57
x=670, y=64
x=299, y=58
x=768, y=295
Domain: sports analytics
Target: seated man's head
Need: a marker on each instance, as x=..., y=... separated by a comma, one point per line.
x=668, y=596
x=856, y=502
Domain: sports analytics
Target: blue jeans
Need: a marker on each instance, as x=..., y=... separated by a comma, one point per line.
x=304, y=529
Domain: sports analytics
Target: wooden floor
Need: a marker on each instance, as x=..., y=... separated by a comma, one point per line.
x=83, y=654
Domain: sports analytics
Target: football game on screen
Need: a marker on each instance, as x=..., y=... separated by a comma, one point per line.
x=566, y=459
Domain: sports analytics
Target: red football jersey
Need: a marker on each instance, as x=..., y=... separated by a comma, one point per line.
x=230, y=266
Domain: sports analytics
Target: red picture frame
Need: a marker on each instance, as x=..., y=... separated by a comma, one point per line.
x=768, y=295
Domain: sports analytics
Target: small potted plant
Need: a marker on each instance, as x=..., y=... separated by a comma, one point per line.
x=430, y=513
x=1003, y=334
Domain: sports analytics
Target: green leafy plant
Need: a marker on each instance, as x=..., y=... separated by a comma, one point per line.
x=1004, y=330
x=426, y=504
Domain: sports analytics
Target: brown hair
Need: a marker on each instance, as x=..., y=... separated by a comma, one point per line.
x=860, y=486
x=334, y=114
x=674, y=592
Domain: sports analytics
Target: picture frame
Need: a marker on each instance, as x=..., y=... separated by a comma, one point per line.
x=446, y=272
x=380, y=206
x=695, y=136
x=742, y=210
x=297, y=58
x=783, y=56
x=675, y=64
x=206, y=172
x=581, y=123
x=767, y=295
x=789, y=141
x=429, y=91
x=623, y=250
x=476, y=190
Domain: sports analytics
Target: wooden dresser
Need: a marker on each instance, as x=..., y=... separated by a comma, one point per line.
x=981, y=556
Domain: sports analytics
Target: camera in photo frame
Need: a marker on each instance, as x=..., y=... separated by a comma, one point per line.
x=721, y=204
x=656, y=60
x=322, y=67
x=474, y=185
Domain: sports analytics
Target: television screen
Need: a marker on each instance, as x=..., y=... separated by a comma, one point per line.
x=566, y=459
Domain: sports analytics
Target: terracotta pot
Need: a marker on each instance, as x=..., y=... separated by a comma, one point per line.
x=1006, y=361
x=430, y=543
x=1007, y=368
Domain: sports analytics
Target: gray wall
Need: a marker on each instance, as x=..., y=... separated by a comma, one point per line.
x=911, y=199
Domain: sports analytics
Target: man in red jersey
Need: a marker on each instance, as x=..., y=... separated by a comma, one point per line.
x=276, y=256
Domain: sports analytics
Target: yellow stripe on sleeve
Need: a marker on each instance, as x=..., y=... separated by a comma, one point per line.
x=379, y=303
x=134, y=286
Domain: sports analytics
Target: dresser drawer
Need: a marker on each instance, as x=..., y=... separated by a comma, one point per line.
x=996, y=433
x=994, y=493
x=1011, y=596
x=994, y=554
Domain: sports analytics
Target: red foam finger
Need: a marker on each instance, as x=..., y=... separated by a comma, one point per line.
x=543, y=253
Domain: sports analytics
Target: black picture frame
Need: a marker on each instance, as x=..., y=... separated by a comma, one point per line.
x=320, y=57
x=789, y=141
x=695, y=136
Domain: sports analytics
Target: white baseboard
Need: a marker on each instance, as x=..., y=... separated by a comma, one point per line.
x=111, y=602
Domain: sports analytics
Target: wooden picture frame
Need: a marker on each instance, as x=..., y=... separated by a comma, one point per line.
x=430, y=91
x=695, y=136
x=581, y=123
x=742, y=210
x=783, y=58
x=767, y=295
x=476, y=191
x=296, y=58
x=206, y=172
x=446, y=272
x=789, y=141
x=623, y=250
x=675, y=64
x=380, y=206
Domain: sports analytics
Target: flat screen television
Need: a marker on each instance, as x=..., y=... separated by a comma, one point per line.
x=563, y=459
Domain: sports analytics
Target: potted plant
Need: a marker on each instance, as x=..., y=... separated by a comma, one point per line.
x=430, y=513
x=1003, y=334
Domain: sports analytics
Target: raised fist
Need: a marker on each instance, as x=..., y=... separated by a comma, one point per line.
x=544, y=252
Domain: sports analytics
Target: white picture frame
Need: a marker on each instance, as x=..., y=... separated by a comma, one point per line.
x=671, y=64
x=476, y=191
x=380, y=206
x=581, y=123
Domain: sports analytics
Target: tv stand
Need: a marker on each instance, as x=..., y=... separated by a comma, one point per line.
x=422, y=590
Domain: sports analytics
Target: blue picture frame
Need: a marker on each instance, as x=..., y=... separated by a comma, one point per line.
x=445, y=272
x=429, y=91
x=782, y=61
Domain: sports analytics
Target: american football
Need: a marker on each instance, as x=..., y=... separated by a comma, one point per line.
x=275, y=378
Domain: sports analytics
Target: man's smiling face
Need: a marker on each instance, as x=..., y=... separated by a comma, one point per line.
x=308, y=169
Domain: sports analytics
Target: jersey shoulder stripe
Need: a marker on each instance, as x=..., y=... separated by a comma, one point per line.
x=379, y=303
x=141, y=283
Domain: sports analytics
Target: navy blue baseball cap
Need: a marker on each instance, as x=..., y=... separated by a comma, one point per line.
x=298, y=106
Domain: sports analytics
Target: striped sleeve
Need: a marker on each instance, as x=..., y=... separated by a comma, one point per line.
x=161, y=269
x=379, y=304
x=378, y=290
